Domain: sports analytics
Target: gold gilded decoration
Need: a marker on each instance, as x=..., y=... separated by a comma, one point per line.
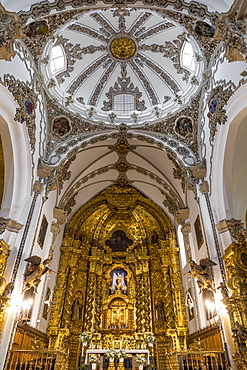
x=118, y=296
x=122, y=181
x=122, y=166
x=122, y=147
x=236, y=265
x=5, y=289
x=123, y=47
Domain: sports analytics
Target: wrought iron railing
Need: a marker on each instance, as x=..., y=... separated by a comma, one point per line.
x=196, y=360
x=36, y=360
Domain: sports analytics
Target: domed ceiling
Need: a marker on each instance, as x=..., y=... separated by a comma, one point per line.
x=122, y=65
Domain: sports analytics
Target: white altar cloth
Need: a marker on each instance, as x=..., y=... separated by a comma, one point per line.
x=131, y=351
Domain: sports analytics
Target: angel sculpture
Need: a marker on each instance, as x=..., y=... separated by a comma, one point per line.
x=33, y=274
x=200, y=273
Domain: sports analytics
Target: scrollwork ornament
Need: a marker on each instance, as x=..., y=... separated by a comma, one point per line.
x=10, y=30
x=27, y=100
x=231, y=28
x=221, y=95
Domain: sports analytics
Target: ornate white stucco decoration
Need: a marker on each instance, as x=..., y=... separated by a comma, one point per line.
x=127, y=58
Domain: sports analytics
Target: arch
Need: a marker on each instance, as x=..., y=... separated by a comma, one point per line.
x=17, y=158
x=230, y=148
x=97, y=220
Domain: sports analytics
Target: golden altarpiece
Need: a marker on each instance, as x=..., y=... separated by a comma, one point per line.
x=119, y=278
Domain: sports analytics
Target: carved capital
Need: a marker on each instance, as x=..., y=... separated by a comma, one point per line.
x=55, y=229
x=60, y=215
x=199, y=171
x=203, y=187
x=235, y=227
x=14, y=226
x=182, y=215
x=9, y=224
x=44, y=170
x=186, y=228
x=38, y=187
x=3, y=224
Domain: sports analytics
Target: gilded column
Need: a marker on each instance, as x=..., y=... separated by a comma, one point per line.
x=98, y=303
x=147, y=316
x=139, y=303
x=181, y=322
x=91, y=286
x=56, y=312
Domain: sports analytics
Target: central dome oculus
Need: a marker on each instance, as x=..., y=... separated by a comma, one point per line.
x=123, y=47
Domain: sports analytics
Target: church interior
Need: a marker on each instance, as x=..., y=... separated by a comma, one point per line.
x=123, y=172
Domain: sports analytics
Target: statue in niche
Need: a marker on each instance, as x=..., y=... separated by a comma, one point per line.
x=154, y=237
x=118, y=283
x=160, y=312
x=119, y=242
x=76, y=310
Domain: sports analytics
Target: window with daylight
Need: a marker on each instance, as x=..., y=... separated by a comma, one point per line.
x=181, y=247
x=123, y=103
x=57, y=63
x=187, y=56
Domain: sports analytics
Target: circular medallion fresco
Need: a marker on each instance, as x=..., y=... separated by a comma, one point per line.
x=114, y=66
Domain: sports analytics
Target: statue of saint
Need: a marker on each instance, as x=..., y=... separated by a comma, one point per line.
x=160, y=316
x=118, y=281
x=76, y=310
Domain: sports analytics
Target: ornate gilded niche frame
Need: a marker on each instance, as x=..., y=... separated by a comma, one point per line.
x=119, y=266
x=118, y=303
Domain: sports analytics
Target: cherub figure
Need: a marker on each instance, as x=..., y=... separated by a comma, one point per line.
x=200, y=273
x=33, y=274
